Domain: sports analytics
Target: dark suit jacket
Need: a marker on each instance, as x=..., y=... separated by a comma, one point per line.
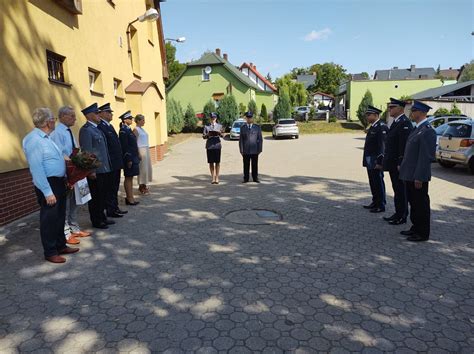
x=375, y=145
x=251, y=140
x=93, y=140
x=128, y=141
x=395, y=143
x=113, y=143
x=419, y=154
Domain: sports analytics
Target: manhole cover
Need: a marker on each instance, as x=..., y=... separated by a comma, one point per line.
x=253, y=217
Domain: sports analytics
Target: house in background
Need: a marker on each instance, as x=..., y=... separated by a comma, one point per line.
x=404, y=74
x=250, y=70
x=212, y=77
x=350, y=93
x=443, y=97
x=58, y=52
x=322, y=98
x=450, y=74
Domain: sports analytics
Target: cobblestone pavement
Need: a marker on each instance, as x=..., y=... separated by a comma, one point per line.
x=174, y=275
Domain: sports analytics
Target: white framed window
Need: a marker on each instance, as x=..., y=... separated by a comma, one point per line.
x=91, y=80
x=205, y=76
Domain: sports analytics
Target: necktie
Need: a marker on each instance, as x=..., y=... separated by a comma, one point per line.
x=72, y=138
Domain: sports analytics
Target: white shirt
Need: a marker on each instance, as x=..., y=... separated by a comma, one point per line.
x=418, y=124
x=396, y=119
x=103, y=120
x=142, y=139
x=375, y=122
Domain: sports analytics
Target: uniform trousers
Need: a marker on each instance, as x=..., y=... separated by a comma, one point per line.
x=420, y=212
x=247, y=159
x=400, y=194
x=99, y=190
x=377, y=187
x=52, y=217
x=111, y=199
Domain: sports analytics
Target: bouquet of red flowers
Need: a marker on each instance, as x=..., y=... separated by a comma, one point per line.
x=81, y=165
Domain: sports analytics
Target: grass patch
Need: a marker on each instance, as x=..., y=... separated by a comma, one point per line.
x=318, y=127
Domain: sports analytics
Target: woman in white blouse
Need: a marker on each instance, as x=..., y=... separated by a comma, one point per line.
x=145, y=175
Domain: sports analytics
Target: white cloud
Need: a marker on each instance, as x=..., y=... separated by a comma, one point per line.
x=318, y=35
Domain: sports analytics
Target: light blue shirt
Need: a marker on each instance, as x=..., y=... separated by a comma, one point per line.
x=424, y=120
x=44, y=158
x=62, y=138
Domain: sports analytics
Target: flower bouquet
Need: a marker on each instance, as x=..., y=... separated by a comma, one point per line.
x=81, y=165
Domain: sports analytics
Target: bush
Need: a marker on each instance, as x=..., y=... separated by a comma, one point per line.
x=228, y=110
x=209, y=107
x=364, y=103
x=332, y=119
x=283, y=107
x=253, y=107
x=174, y=116
x=455, y=111
x=242, y=108
x=263, y=113
x=190, y=119
x=441, y=112
x=312, y=113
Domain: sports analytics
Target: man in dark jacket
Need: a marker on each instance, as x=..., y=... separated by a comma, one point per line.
x=116, y=161
x=415, y=170
x=373, y=159
x=394, y=151
x=250, y=144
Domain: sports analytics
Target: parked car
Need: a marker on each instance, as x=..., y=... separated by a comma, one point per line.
x=440, y=120
x=456, y=146
x=286, y=127
x=235, y=129
x=439, y=132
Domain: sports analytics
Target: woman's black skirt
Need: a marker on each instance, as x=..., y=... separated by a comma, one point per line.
x=132, y=171
x=213, y=155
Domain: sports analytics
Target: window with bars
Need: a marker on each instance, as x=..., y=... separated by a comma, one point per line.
x=55, y=66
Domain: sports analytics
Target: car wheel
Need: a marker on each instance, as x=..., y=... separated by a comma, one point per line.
x=447, y=164
x=297, y=136
x=471, y=165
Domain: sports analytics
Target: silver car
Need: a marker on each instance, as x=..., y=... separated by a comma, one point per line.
x=456, y=146
x=235, y=130
x=286, y=127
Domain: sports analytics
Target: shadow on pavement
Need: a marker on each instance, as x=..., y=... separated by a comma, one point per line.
x=175, y=274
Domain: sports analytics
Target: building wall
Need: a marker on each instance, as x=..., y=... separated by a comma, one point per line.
x=382, y=91
x=94, y=39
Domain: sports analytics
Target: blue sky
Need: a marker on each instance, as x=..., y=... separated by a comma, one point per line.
x=361, y=35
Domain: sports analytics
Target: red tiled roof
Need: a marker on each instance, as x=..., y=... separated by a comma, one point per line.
x=260, y=76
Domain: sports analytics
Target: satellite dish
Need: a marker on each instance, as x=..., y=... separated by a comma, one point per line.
x=208, y=70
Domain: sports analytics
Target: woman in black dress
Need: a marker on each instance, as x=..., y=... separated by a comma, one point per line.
x=131, y=156
x=212, y=133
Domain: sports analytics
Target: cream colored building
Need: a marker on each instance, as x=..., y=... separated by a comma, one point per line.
x=57, y=52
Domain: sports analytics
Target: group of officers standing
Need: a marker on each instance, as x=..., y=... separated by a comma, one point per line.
x=405, y=150
x=47, y=148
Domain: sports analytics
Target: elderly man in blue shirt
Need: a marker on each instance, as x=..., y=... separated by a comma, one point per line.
x=64, y=139
x=48, y=169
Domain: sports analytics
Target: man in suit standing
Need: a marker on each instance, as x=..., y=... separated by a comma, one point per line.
x=415, y=170
x=93, y=140
x=116, y=161
x=394, y=151
x=373, y=159
x=250, y=144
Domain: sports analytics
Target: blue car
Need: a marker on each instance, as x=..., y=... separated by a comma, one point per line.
x=235, y=130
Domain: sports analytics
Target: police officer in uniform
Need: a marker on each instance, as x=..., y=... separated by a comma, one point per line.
x=394, y=150
x=93, y=141
x=415, y=170
x=373, y=159
x=250, y=144
x=116, y=161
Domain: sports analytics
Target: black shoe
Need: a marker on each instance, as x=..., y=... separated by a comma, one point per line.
x=245, y=181
x=370, y=206
x=399, y=221
x=109, y=222
x=417, y=238
x=114, y=215
x=256, y=180
x=390, y=218
x=118, y=211
x=102, y=225
x=377, y=210
x=130, y=203
x=408, y=232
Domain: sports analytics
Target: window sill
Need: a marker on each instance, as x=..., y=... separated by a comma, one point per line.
x=60, y=83
x=119, y=98
x=206, y=80
x=137, y=76
x=95, y=93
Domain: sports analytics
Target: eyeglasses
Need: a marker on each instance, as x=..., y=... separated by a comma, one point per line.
x=53, y=119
